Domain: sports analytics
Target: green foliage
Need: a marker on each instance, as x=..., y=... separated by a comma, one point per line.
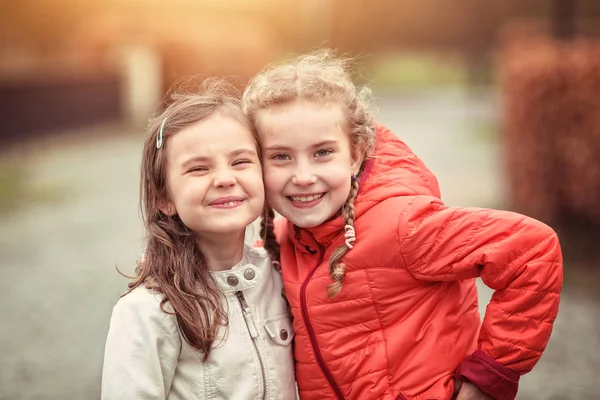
x=17, y=189
x=416, y=71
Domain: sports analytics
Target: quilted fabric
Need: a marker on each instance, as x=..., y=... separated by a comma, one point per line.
x=407, y=316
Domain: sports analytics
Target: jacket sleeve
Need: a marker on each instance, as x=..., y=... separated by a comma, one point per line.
x=142, y=349
x=517, y=256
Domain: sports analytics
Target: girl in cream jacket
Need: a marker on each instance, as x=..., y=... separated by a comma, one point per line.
x=204, y=318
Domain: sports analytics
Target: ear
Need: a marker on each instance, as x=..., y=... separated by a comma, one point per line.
x=357, y=156
x=167, y=207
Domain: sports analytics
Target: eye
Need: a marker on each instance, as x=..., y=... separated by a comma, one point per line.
x=242, y=162
x=280, y=157
x=323, y=152
x=198, y=169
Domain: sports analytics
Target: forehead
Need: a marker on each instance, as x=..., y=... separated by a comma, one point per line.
x=301, y=121
x=217, y=134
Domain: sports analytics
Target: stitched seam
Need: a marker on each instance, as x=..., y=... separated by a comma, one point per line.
x=354, y=351
x=438, y=238
x=518, y=314
x=350, y=326
x=508, y=289
x=520, y=254
x=470, y=237
x=525, y=252
x=385, y=184
x=517, y=255
x=401, y=214
x=538, y=351
x=210, y=392
x=387, y=360
x=338, y=302
x=530, y=249
x=365, y=375
x=342, y=356
x=463, y=247
x=473, y=234
x=400, y=239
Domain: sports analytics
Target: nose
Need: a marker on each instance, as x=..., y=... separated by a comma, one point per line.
x=224, y=178
x=303, y=176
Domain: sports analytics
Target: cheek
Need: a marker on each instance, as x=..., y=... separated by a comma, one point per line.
x=174, y=190
x=336, y=173
x=252, y=181
x=274, y=184
x=273, y=179
x=190, y=190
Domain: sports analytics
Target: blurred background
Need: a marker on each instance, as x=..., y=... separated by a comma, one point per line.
x=499, y=97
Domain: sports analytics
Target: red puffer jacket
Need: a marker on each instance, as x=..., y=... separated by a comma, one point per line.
x=406, y=322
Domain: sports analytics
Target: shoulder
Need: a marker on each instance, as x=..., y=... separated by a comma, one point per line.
x=142, y=306
x=140, y=298
x=395, y=208
x=386, y=224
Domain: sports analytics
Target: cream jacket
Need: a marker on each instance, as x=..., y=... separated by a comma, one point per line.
x=147, y=358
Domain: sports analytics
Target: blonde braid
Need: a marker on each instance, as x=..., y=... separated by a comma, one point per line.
x=336, y=267
x=267, y=233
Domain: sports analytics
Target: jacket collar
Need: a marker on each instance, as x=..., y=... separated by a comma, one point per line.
x=245, y=274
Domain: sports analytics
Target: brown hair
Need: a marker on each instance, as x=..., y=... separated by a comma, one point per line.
x=173, y=264
x=324, y=78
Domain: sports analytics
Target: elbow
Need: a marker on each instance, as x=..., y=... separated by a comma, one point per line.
x=550, y=242
x=553, y=245
x=552, y=259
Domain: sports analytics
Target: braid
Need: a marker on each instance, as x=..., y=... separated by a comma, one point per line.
x=267, y=233
x=336, y=267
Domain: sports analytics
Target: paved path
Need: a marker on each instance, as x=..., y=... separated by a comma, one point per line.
x=58, y=283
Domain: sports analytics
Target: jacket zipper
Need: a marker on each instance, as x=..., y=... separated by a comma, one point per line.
x=311, y=331
x=254, y=335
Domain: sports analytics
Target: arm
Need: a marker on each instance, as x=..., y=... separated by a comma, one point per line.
x=142, y=349
x=518, y=257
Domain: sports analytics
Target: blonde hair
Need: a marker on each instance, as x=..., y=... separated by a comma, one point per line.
x=173, y=264
x=324, y=78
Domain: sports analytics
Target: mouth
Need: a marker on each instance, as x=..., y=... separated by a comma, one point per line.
x=227, y=202
x=306, y=201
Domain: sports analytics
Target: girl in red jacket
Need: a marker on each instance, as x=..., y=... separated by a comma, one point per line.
x=379, y=273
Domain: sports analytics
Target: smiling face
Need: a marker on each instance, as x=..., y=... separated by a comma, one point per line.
x=308, y=160
x=214, y=177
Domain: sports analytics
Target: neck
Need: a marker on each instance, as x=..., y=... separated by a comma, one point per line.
x=222, y=252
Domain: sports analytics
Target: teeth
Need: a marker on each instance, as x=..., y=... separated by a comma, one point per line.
x=306, y=199
x=230, y=203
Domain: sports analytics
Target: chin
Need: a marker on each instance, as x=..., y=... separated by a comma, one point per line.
x=306, y=222
x=227, y=227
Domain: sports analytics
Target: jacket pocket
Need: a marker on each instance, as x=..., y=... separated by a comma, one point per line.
x=280, y=329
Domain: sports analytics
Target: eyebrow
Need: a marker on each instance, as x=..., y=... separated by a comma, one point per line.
x=276, y=146
x=235, y=153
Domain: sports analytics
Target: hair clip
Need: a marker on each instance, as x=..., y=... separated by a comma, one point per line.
x=159, y=136
x=350, y=236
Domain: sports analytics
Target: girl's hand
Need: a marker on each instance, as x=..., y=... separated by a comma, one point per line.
x=468, y=391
